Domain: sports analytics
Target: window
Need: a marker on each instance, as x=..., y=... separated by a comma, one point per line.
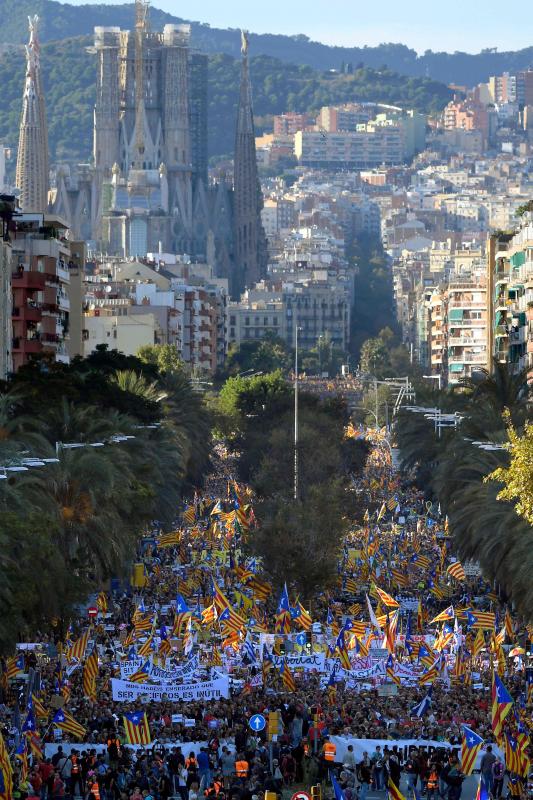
x=232, y=320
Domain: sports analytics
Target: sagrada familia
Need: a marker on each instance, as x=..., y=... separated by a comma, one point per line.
x=146, y=189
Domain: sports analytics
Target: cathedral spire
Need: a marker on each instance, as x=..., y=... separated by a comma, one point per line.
x=32, y=157
x=250, y=248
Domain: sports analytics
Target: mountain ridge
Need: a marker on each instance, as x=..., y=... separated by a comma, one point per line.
x=63, y=20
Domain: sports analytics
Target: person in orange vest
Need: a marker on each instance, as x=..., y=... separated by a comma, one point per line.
x=242, y=768
x=113, y=749
x=93, y=790
x=75, y=774
x=329, y=754
x=329, y=751
x=433, y=782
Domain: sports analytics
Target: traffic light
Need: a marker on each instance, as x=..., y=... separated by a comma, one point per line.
x=316, y=792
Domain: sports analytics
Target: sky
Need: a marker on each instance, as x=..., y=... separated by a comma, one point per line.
x=467, y=25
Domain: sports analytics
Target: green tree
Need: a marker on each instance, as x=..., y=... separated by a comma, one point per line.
x=375, y=359
x=300, y=542
x=267, y=355
x=517, y=478
x=164, y=357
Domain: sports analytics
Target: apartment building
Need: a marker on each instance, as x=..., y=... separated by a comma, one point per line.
x=467, y=115
x=132, y=303
x=6, y=364
x=387, y=139
x=466, y=325
x=315, y=300
x=123, y=332
x=333, y=119
x=252, y=320
x=42, y=311
x=510, y=281
x=291, y=122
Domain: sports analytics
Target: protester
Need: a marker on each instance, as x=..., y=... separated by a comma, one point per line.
x=231, y=625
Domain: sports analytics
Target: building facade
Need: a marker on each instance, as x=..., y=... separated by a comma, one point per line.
x=510, y=281
x=42, y=308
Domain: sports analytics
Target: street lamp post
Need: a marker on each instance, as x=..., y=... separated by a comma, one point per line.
x=368, y=411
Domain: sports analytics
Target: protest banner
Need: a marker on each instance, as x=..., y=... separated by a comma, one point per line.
x=125, y=692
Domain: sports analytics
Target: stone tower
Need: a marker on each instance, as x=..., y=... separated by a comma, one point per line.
x=142, y=138
x=249, y=244
x=32, y=158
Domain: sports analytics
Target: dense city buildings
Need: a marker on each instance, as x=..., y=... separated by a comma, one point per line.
x=202, y=259
x=129, y=304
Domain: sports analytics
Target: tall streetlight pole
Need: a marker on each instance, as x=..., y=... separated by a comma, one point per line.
x=296, y=476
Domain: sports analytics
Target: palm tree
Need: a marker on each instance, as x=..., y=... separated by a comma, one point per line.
x=134, y=383
x=186, y=413
x=18, y=431
x=499, y=389
x=85, y=493
x=70, y=422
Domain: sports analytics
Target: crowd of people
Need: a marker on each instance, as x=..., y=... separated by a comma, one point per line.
x=391, y=672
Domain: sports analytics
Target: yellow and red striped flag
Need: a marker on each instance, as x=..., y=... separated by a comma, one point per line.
x=6, y=772
x=77, y=649
x=62, y=719
x=169, y=539
x=470, y=746
x=287, y=677
x=136, y=728
x=101, y=602
x=90, y=673
x=386, y=599
x=456, y=571
x=393, y=791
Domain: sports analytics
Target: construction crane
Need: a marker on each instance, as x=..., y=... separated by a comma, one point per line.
x=141, y=29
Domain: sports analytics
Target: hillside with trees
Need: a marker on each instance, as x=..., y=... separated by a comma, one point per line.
x=69, y=85
x=63, y=20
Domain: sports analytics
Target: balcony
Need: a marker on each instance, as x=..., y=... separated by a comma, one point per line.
x=468, y=358
x=464, y=340
x=63, y=274
x=27, y=313
x=28, y=279
x=22, y=345
x=64, y=302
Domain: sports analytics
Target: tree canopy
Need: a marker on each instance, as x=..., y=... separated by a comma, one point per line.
x=143, y=439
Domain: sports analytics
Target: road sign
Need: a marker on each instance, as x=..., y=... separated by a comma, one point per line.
x=301, y=796
x=275, y=725
x=92, y=611
x=257, y=722
x=301, y=639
